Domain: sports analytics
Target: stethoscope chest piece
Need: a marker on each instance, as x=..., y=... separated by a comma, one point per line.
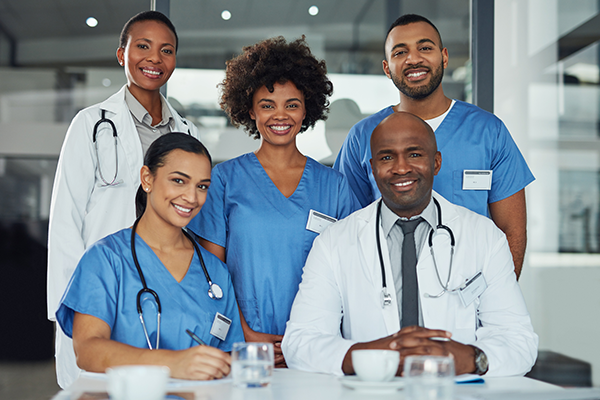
x=215, y=291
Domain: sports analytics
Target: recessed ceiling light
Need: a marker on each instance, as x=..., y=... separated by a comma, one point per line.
x=91, y=22
x=226, y=15
x=313, y=10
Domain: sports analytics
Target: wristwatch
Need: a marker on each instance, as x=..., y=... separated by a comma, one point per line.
x=481, y=361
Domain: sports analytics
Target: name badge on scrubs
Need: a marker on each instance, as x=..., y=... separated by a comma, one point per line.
x=220, y=326
x=477, y=179
x=317, y=222
x=472, y=289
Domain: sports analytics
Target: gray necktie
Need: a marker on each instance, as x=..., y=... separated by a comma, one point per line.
x=410, y=298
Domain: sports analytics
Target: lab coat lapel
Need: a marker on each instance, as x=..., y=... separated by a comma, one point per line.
x=369, y=258
x=128, y=137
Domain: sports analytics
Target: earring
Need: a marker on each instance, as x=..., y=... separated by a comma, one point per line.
x=146, y=189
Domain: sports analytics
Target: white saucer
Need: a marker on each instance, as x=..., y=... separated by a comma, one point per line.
x=353, y=382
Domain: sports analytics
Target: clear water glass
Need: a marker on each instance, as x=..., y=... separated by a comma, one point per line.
x=429, y=377
x=252, y=364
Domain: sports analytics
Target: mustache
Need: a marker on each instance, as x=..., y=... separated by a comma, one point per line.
x=413, y=67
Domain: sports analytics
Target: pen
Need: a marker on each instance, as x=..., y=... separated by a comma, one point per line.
x=195, y=337
x=440, y=339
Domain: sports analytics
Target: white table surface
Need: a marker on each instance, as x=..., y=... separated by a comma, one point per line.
x=291, y=385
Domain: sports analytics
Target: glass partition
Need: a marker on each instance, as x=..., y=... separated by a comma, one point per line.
x=547, y=92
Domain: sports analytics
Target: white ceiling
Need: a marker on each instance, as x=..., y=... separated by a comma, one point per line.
x=54, y=33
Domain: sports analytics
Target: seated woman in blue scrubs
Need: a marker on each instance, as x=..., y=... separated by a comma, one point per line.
x=264, y=209
x=100, y=307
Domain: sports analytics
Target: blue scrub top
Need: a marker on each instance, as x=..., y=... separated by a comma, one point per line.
x=264, y=233
x=106, y=283
x=469, y=138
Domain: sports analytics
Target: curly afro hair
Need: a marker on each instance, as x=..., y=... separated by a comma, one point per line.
x=275, y=61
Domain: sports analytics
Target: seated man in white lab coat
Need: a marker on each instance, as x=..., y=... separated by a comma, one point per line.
x=470, y=306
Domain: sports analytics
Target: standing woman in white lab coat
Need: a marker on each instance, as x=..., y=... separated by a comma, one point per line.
x=98, y=169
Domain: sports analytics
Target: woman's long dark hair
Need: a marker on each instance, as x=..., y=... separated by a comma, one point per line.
x=158, y=152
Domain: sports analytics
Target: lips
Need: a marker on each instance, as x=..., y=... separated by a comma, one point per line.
x=406, y=184
x=183, y=211
x=152, y=73
x=416, y=74
x=280, y=129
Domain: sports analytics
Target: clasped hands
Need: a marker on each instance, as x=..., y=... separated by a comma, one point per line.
x=416, y=340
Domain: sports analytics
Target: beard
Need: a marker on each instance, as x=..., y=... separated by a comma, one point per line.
x=419, y=92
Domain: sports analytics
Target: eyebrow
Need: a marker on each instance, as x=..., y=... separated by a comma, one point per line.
x=182, y=174
x=150, y=41
x=189, y=177
x=425, y=40
x=273, y=101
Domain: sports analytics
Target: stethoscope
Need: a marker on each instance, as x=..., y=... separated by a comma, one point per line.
x=386, y=298
x=114, y=181
x=214, y=290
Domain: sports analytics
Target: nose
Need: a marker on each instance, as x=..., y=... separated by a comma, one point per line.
x=401, y=166
x=280, y=113
x=190, y=194
x=154, y=55
x=413, y=57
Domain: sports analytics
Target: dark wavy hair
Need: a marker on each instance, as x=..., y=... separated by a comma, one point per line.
x=158, y=152
x=275, y=61
x=147, y=16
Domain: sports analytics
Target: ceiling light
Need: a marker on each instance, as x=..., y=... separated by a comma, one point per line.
x=313, y=10
x=226, y=15
x=91, y=22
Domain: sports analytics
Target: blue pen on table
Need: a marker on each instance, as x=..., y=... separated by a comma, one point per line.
x=195, y=337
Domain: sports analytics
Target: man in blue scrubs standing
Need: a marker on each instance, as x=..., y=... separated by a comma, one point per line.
x=482, y=167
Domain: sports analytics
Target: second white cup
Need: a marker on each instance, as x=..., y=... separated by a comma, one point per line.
x=375, y=365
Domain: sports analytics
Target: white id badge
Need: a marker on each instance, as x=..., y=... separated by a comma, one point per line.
x=220, y=326
x=472, y=289
x=317, y=221
x=477, y=179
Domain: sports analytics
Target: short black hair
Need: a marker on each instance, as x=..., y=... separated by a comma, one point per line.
x=147, y=16
x=158, y=152
x=410, y=19
x=275, y=61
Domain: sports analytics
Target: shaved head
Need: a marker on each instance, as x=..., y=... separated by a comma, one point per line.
x=404, y=162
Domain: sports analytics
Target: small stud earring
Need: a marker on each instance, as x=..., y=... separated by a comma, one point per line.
x=146, y=189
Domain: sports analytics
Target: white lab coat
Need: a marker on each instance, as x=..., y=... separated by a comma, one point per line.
x=342, y=284
x=82, y=211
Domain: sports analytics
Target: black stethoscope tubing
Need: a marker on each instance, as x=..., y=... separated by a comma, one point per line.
x=102, y=120
x=214, y=291
x=386, y=297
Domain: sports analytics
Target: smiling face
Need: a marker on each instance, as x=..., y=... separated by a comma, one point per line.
x=177, y=190
x=415, y=61
x=278, y=115
x=149, y=56
x=405, y=160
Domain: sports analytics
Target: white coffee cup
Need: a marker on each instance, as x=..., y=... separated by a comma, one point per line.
x=138, y=382
x=375, y=365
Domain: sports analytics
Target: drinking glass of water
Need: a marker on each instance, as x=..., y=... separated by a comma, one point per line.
x=429, y=377
x=252, y=364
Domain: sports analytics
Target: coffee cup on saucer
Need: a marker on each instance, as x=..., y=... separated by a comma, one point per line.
x=375, y=365
x=137, y=382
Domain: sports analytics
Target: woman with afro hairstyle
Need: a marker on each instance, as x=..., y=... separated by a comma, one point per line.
x=264, y=209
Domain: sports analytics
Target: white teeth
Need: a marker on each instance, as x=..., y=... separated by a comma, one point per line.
x=186, y=210
x=151, y=72
x=416, y=74
x=280, y=127
x=403, y=183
